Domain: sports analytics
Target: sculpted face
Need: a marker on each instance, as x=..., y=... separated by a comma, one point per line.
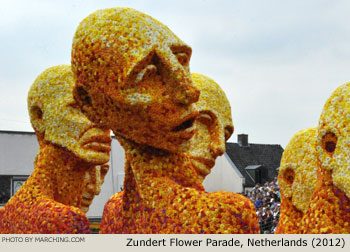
x=213, y=125
x=132, y=75
x=94, y=179
x=333, y=139
x=298, y=171
x=56, y=117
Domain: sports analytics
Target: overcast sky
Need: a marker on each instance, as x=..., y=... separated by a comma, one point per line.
x=277, y=61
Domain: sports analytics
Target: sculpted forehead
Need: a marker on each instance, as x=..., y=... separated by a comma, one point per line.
x=298, y=171
x=129, y=24
x=212, y=98
x=336, y=112
x=54, y=83
x=121, y=36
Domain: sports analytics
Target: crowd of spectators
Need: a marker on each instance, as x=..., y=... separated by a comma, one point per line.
x=267, y=201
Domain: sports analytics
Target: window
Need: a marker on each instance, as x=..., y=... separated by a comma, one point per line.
x=5, y=189
x=9, y=185
x=17, y=182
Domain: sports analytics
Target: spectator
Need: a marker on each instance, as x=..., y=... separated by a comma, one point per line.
x=267, y=202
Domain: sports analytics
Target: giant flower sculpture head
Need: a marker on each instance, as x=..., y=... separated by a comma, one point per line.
x=56, y=118
x=298, y=171
x=213, y=125
x=333, y=139
x=132, y=75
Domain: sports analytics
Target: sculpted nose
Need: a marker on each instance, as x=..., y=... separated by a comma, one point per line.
x=178, y=78
x=97, y=189
x=185, y=92
x=217, y=146
x=98, y=181
x=94, y=182
x=187, y=95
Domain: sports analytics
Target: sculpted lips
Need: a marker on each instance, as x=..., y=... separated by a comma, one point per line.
x=185, y=129
x=186, y=124
x=86, y=201
x=94, y=139
x=87, y=198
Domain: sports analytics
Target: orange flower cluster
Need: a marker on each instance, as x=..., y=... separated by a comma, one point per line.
x=297, y=180
x=163, y=192
x=329, y=210
x=66, y=176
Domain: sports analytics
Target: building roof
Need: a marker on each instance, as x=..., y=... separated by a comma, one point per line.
x=17, y=132
x=254, y=156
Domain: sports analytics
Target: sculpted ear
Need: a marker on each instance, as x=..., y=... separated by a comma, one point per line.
x=36, y=118
x=286, y=179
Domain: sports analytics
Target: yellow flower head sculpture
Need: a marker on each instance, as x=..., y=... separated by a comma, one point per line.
x=58, y=193
x=132, y=75
x=297, y=179
x=56, y=117
x=329, y=209
x=333, y=139
x=213, y=125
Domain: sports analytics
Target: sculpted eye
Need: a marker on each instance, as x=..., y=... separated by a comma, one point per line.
x=83, y=96
x=147, y=72
x=36, y=112
x=206, y=118
x=104, y=169
x=182, y=53
x=183, y=58
x=288, y=176
x=329, y=142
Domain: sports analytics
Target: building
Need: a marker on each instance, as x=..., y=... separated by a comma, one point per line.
x=257, y=163
x=242, y=166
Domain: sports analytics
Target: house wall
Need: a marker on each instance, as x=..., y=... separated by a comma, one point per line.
x=224, y=177
x=17, y=153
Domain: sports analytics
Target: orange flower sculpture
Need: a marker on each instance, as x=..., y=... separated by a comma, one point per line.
x=132, y=76
x=329, y=210
x=297, y=180
x=69, y=167
x=163, y=191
